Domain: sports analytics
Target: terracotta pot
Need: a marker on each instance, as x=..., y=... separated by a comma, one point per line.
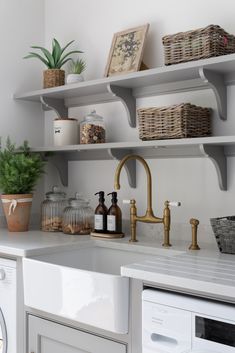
x=53, y=78
x=17, y=211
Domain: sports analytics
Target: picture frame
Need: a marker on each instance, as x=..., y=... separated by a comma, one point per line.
x=126, y=51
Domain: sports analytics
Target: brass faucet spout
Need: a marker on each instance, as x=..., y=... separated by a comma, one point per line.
x=149, y=178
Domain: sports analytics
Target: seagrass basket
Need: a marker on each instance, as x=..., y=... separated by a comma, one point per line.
x=197, y=44
x=224, y=230
x=176, y=121
x=53, y=78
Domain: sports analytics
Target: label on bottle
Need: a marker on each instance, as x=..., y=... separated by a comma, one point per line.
x=99, y=222
x=111, y=223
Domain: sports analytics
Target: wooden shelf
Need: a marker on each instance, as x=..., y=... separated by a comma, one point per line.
x=215, y=73
x=214, y=148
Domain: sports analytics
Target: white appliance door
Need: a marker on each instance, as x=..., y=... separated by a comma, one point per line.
x=3, y=334
x=165, y=329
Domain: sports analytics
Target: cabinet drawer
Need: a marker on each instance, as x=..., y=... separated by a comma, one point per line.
x=48, y=337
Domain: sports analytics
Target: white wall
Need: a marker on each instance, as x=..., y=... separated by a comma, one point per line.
x=193, y=182
x=21, y=25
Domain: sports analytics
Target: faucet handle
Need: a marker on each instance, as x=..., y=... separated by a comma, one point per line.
x=129, y=202
x=126, y=202
x=173, y=203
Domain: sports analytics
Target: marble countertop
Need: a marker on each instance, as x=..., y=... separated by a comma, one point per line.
x=35, y=242
x=205, y=273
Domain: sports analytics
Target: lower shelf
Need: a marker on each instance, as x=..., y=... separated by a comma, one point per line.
x=214, y=148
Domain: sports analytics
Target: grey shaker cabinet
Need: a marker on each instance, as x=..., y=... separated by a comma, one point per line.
x=45, y=336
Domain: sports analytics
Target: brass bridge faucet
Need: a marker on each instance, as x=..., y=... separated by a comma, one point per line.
x=149, y=215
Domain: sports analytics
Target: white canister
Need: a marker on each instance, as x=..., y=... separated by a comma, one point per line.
x=65, y=132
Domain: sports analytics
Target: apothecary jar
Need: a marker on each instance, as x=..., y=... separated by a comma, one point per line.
x=92, y=129
x=78, y=216
x=52, y=210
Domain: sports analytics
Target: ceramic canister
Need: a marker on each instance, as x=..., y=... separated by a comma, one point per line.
x=65, y=132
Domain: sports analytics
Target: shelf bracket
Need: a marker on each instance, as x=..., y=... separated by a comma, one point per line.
x=130, y=166
x=61, y=163
x=55, y=104
x=218, y=158
x=216, y=82
x=125, y=95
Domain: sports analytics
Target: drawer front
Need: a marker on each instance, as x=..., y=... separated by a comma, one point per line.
x=46, y=337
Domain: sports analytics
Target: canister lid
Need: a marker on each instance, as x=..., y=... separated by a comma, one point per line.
x=56, y=194
x=93, y=116
x=78, y=201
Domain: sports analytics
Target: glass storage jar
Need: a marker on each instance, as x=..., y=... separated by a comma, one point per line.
x=92, y=129
x=78, y=216
x=52, y=210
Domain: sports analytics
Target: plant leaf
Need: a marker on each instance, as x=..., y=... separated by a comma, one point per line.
x=48, y=55
x=19, y=169
x=67, y=45
x=62, y=62
x=37, y=56
x=56, y=51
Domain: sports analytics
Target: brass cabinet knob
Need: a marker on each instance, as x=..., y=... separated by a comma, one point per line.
x=194, y=223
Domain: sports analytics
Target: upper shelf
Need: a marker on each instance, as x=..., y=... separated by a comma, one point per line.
x=214, y=148
x=215, y=73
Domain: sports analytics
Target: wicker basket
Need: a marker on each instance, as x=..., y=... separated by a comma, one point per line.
x=176, y=121
x=224, y=230
x=198, y=44
x=53, y=78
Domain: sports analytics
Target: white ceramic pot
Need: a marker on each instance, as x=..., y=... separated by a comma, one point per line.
x=73, y=78
x=65, y=132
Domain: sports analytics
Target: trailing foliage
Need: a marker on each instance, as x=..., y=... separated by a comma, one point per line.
x=56, y=58
x=77, y=66
x=19, y=169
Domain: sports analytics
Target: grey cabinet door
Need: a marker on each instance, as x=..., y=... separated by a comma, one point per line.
x=48, y=337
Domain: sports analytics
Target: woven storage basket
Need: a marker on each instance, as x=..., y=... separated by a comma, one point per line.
x=176, y=121
x=53, y=78
x=224, y=230
x=197, y=44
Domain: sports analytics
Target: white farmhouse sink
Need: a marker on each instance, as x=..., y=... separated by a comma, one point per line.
x=83, y=285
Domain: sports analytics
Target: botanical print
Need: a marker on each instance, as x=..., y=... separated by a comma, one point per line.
x=126, y=52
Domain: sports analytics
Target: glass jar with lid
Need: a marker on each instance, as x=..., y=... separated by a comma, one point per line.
x=52, y=210
x=92, y=129
x=78, y=216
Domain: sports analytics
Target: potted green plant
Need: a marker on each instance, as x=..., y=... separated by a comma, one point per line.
x=76, y=68
x=54, y=60
x=19, y=172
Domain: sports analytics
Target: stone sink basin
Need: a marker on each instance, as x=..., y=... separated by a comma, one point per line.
x=85, y=284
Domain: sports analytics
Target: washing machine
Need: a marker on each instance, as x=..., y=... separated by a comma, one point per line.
x=175, y=323
x=7, y=306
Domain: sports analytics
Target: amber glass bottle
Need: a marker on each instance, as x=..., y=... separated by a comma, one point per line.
x=114, y=217
x=101, y=214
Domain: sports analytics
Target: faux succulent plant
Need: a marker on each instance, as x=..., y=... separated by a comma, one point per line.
x=77, y=66
x=56, y=58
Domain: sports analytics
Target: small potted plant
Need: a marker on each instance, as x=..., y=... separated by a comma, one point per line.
x=19, y=172
x=76, y=69
x=54, y=60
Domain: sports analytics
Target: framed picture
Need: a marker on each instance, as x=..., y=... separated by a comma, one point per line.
x=126, y=51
